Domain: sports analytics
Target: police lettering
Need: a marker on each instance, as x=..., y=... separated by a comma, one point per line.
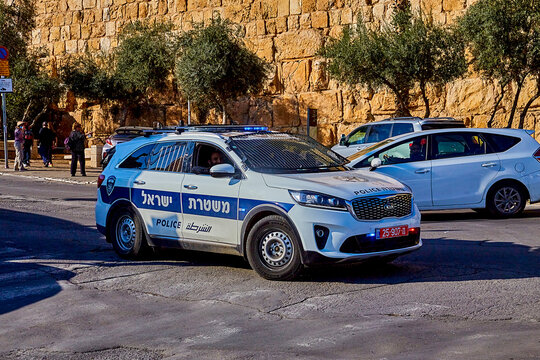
x=377, y=189
x=169, y=223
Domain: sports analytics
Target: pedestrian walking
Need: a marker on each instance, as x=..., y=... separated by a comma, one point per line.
x=47, y=138
x=77, y=144
x=19, y=141
x=27, y=145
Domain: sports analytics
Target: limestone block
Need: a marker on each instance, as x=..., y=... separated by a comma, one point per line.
x=334, y=17
x=58, y=20
x=180, y=5
x=132, y=10
x=328, y=105
x=75, y=32
x=303, y=43
x=270, y=26
x=469, y=97
x=54, y=34
x=305, y=21
x=163, y=9
x=451, y=5
x=283, y=7
x=274, y=84
x=293, y=22
x=309, y=6
x=59, y=48
x=379, y=11
x=36, y=36
x=324, y=5
x=261, y=27
x=86, y=30
x=89, y=17
x=251, y=29
x=295, y=7
x=65, y=32
x=367, y=14
x=110, y=28
x=93, y=44
x=98, y=30
x=433, y=6
x=296, y=76
x=106, y=3
x=105, y=44
x=326, y=134
x=236, y=13
x=143, y=10
x=347, y=16
x=383, y=102
x=77, y=17
x=319, y=19
x=75, y=4
x=263, y=47
x=71, y=46
x=89, y=4
x=336, y=31
x=356, y=109
x=82, y=46
x=285, y=111
x=318, y=78
x=281, y=24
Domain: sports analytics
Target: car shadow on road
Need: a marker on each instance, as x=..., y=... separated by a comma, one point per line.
x=37, y=253
x=452, y=215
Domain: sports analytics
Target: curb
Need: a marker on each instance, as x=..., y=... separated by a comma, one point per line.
x=42, y=178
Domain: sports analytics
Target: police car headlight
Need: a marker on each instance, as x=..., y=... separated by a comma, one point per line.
x=308, y=198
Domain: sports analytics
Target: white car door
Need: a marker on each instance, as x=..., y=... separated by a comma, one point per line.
x=209, y=204
x=461, y=168
x=407, y=162
x=156, y=190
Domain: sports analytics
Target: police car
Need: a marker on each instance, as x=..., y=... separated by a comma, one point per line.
x=282, y=201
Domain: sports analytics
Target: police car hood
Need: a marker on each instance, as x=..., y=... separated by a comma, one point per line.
x=344, y=184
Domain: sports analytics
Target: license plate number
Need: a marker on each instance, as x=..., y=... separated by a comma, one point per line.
x=392, y=232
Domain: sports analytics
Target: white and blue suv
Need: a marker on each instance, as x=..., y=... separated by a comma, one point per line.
x=282, y=201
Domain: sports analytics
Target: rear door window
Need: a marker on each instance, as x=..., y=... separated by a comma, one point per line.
x=379, y=133
x=402, y=128
x=452, y=145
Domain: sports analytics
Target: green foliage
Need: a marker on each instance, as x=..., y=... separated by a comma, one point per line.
x=411, y=50
x=33, y=89
x=142, y=62
x=214, y=66
x=504, y=41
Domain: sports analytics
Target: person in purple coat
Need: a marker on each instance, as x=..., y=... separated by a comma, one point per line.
x=19, y=142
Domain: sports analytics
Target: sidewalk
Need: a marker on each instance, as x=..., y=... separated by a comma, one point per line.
x=59, y=172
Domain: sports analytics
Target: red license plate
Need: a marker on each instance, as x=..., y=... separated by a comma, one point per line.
x=392, y=232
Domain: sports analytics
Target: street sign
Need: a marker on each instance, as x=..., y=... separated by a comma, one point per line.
x=4, y=53
x=6, y=86
x=4, y=68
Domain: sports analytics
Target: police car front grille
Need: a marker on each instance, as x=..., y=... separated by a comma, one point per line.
x=376, y=208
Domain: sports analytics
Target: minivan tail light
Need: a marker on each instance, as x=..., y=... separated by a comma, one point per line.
x=537, y=154
x=100, y=180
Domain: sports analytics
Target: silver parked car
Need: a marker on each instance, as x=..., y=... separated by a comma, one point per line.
x=369, y=134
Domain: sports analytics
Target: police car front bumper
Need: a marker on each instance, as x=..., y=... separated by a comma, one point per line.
x=347, y=239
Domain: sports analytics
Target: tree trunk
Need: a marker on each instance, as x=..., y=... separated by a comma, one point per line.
x=514, y=105
x=528, y=105
x=503, y=87
x=426, y=100
x=124, y=115
x=402, y=103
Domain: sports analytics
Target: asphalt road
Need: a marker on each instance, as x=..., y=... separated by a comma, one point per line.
x=471, y=292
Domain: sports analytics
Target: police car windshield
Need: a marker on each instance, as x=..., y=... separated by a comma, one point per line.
x=281, y=153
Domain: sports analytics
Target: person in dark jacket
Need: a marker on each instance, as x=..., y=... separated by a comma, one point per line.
x=76, y=143
x=47, y=138
x=27, y=145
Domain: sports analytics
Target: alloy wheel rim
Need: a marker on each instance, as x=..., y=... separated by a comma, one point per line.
x=507, y=200
x=125, y=233
x=276, y=249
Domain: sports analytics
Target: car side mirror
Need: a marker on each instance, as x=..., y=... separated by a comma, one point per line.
x=375, y=163
x=222, y=170
x=343, y=140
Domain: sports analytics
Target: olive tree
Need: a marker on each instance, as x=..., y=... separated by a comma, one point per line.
x=504, y=39
x=410, y=50
x=143, y=62
x=214, y=66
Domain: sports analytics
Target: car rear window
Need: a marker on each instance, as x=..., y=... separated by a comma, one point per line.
x=402, y=128
x=500, y=143
x=434, y=126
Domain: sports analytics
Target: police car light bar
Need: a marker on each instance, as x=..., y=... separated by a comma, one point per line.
x=222, y=128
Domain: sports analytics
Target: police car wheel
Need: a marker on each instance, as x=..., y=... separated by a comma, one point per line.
x=127, y=235
x=273, y=250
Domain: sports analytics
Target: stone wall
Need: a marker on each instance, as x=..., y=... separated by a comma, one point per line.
x=286, y=33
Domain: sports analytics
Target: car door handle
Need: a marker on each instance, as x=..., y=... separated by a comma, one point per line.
x=191, y=187
x=139, y=182
x=491, y=164
x=422, y=171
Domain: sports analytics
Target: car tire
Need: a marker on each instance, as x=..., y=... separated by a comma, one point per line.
x=127, y=235
x=505, y=200
x=273, y=249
